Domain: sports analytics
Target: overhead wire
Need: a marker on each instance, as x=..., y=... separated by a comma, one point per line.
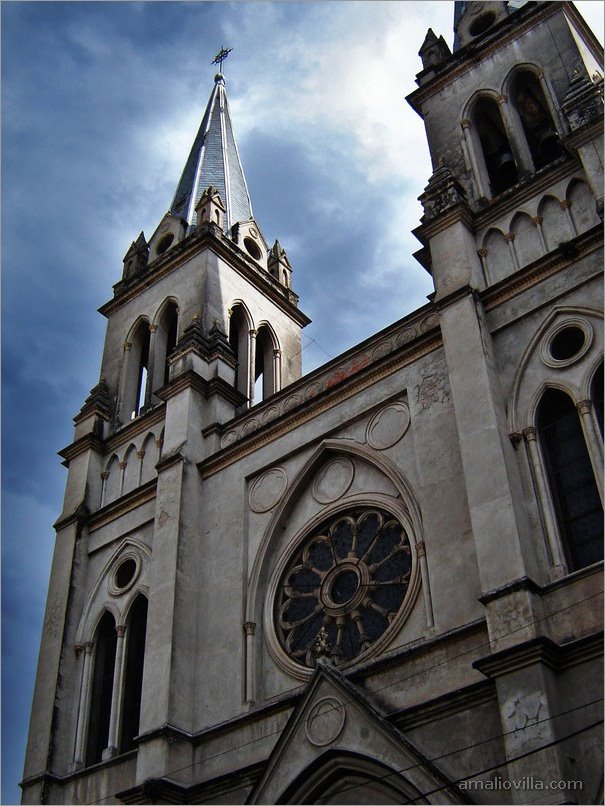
x=374, y=691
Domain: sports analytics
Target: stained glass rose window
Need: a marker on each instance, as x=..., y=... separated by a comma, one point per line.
x=343, y=586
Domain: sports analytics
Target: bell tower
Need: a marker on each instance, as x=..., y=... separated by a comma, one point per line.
x=202, y=324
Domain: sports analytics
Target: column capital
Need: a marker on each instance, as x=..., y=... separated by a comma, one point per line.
x=249, y=627
x=105, y=474
x=536, y=220
x=421, y=548
x=120, y=629
x=127, y=345
x=122, y=465
x=252, y=333
x=466, y=123
x=509, y=236
x=515, y=439
x=584, y=406
x=565, y=204
x=78, y=649
x=502, y=99
x=482, y=252
x=140, y=454
x=530, y=433
x=153, y=328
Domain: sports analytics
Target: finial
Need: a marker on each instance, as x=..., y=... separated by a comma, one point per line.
x=219, y=59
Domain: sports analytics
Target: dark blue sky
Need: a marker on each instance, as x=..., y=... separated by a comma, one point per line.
x=101, y=102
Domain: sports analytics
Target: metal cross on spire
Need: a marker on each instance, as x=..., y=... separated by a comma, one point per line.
x=220, y=57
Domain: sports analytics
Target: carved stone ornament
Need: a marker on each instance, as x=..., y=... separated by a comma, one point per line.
x=333, y=480
x=267, y=490
x=325, y=721
x=388, y=426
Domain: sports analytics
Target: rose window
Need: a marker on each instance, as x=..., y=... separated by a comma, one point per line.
x=343, y=586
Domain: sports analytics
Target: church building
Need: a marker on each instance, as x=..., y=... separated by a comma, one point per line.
x=380, y=582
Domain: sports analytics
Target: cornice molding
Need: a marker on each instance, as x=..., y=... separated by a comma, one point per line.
x=540, y=650
x=213, y=239
x=119, y=507
x=89, y=442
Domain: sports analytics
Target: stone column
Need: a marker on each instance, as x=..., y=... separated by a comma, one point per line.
x=545, y=507
x=480, y=179
x=124, y=416
x=116, y=696
x=252, y=364
x=140, y=455
x=516, y=136
x=594, y=444
x=249, y=630
x=537, y=222
x=153, y=382
x=104, y=477
x=84, y=705
x=426, y=588
x=509, y=237
x=122, y=466
x=483, y=258
x=276, y=370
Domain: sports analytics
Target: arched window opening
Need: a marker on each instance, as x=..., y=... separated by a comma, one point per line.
x=574, y=491
x=239, y=340
x=102, y=686
x=136, y=627
x=596, y=395
x=142, y=377
x=538, y=126
x=264, y=371
x=497, y=151
x=169, y=325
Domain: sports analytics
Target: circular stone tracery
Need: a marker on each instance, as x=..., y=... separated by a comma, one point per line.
x=349, y=578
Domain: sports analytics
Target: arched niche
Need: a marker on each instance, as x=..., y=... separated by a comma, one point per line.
x=113, y=481
x=582, y=206
x=135, y=389
x=131, y=470
x=266, y=373
x=498, y=257
x=240, y=325
x=527, y=240
x=150, y=458
x=166, y=334
x=554, y=223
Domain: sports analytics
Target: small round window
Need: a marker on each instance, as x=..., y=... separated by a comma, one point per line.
x=125, y=573
x=344, y=586
x=165, y=243
x=252, y=248
x=566, y=343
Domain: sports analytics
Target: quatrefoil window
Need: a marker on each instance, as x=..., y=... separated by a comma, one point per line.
x=345, y=583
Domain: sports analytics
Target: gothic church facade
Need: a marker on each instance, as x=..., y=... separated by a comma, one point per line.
x=379, y=582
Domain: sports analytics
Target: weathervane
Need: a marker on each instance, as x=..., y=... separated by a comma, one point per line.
x=220, y=57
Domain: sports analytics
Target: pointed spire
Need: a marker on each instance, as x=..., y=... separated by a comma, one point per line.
x=214, y=160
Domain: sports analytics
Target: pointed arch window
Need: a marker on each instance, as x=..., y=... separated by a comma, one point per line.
x=536, y=120
x=165, y=342
x=239, y=339
x=495, y=146
x=572, y=484
x=136, y=627
x=264, y=371
x=102, y=687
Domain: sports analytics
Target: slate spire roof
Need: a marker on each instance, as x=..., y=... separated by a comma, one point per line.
x=214, y=160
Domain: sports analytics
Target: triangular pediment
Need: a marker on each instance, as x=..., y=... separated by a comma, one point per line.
x=337, y=743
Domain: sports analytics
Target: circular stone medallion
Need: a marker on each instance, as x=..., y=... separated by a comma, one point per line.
x=388, y=426
x=325, y=721
x=333, y=480
x=267, y=490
